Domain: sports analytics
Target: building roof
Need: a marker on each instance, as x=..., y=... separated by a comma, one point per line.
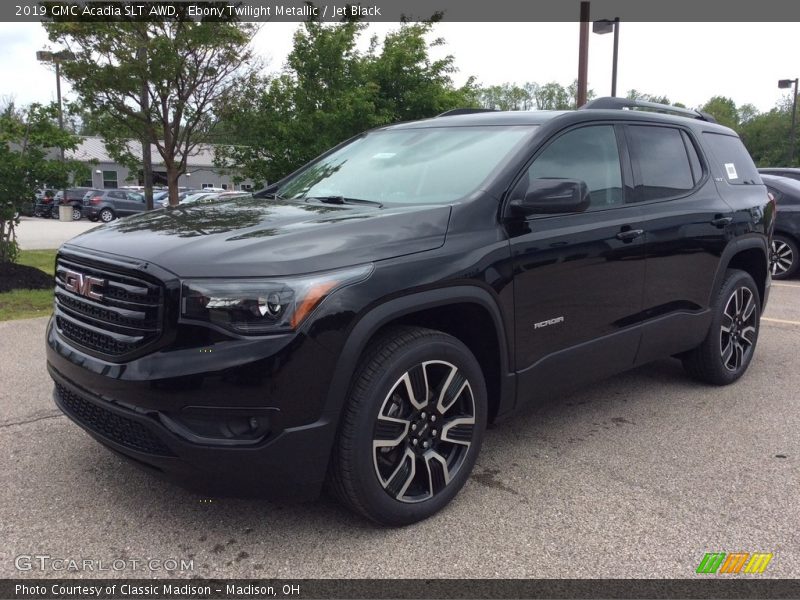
x=93, y=149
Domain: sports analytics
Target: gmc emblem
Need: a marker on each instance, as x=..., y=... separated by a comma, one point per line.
x=83, y=285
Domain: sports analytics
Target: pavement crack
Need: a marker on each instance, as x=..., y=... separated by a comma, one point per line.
x=5, y=425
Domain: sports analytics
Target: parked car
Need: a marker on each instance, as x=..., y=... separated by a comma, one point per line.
x=790, y=172
x=190, y=198
x=43, y=207
x=785, y=257
x=107, y=205
x=362, y=320
x=74, y=198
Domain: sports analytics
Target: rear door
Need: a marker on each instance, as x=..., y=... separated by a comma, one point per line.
x=118, y=200
x=686, y=224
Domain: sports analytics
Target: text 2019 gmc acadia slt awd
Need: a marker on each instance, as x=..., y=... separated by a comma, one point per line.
x=361, y=321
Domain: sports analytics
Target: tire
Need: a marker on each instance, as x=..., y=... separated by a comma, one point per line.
x=76, y=213
x=784, y=257
x=391, y=462
x=106, y=215
x=725, y=354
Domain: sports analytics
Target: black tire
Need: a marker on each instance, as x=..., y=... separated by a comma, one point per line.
x=725, y=354
x=373, y=455
x=107, y=215
x=76, y=213
x=784, y=257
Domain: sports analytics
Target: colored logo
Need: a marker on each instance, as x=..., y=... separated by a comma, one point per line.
x=734, y=562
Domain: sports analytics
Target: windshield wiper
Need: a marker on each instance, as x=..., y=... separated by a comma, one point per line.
x=342, y=200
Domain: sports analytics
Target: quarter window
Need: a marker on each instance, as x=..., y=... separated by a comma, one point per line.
x=589, y=154
x=660, y=162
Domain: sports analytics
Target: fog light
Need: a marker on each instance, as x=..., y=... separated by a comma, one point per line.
x=223, y=426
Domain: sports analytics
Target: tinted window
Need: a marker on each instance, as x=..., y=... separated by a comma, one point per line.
x=117, y=195
x=660, y=162
x=589, y=154
x=694, y=159
x=732, y=159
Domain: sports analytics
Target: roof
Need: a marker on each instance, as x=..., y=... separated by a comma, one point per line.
x=540, y=117
x=92, y=148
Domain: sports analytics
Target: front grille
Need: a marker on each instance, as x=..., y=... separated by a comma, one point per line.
x=125, y=432
x=126, y=319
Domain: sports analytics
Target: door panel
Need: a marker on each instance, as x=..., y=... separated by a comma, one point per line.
x=578, y=278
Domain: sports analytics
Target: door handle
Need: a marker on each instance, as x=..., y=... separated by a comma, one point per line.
x=629, y=234
x=721, y=221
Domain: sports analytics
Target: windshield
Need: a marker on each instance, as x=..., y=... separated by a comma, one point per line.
x=425, y=165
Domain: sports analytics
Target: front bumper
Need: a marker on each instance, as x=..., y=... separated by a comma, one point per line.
x=133, y=408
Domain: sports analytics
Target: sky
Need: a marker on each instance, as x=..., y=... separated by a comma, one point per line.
x=688, y=62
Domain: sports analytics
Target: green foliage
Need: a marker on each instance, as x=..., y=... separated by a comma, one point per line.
x=531, y=96
x=329, y=91
x=153, y=81
x=29, y=143
x=723, y=110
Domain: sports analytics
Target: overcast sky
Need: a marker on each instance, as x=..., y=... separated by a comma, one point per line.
x=688, y=62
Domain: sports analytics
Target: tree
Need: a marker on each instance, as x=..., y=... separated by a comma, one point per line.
x=153, y=81
x=723, y=110
x=329, y=91
x=531, y=95
x=29, y=139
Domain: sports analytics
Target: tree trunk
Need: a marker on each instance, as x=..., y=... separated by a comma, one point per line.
x=172, y=181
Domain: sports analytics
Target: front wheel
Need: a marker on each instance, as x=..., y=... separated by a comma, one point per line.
x=412, y=428
x=725, y=354
x=76, y=214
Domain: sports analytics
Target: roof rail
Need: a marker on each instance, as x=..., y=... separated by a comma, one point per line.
x=621, y=103
x=464, y=111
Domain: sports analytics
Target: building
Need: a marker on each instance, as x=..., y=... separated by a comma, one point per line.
x=107, y=173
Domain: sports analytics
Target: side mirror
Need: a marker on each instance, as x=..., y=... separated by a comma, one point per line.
x=552, y=196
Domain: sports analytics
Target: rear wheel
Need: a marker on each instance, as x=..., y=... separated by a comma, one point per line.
x=106, y=215
x=412, y=428
x=725, y=354
x=784, y=257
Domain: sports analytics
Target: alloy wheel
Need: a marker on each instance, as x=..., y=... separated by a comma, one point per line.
x=424, y=431
x=781, y=257
x=106, y=216
x=738, y=330
x=76, y=214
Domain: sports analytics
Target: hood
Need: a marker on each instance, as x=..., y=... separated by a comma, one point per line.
x=258, y=237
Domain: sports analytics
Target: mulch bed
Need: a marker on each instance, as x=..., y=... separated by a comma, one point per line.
x=23, y=277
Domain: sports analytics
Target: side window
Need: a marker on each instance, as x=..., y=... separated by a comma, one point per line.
x=589, y=154
x=732, y=158
x=116, y=195
x=694, y=159
x=661, y=165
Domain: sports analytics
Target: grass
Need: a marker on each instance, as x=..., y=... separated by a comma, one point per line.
x=26, y=304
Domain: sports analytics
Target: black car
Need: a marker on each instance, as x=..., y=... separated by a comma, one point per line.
x=790, y=172
x=785, y=256
x=74, y=197
x=362, y=321
x=107, y=205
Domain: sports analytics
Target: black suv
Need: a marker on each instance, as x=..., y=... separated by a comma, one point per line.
x=361, y=321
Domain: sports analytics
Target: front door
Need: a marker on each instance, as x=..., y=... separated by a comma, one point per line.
x=578, y=278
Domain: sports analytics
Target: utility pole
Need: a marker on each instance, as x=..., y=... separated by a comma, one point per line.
x=147, y=159
x=583, y=55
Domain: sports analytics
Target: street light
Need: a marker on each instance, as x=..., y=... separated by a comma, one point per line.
x=785, y=84
x=607, y=26
x=57, y=58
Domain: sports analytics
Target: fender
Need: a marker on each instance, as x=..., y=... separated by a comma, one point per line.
x=733, y=248
x=377, y=317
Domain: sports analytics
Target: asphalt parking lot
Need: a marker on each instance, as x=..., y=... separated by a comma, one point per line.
x=636, y=476
x=34, y=233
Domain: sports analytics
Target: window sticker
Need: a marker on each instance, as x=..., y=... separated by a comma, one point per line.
x=730, y=168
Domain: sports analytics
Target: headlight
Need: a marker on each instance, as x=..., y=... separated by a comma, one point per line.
x=259, y=306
